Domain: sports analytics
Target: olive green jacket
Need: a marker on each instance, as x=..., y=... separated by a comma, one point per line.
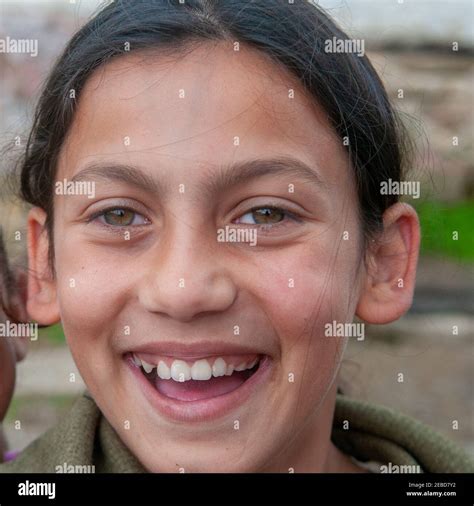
x=365, y=431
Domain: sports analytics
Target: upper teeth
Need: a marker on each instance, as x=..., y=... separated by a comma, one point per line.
x=199, y=370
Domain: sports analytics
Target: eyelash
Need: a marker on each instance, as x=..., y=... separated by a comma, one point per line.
x=287, y=216
x=103, y=212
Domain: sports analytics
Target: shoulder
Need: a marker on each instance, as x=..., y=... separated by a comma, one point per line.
x=374, y=432
x=70, y=441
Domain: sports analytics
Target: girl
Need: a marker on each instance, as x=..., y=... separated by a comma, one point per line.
x=12, y=349
x=205, y=187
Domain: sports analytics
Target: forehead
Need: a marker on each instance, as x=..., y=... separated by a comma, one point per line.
x=210, y=105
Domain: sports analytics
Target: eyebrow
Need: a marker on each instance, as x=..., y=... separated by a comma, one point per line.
x=121, y=173
x=223, y=178
x=248, y=170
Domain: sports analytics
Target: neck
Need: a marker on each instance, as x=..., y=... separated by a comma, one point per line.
x=312, y=450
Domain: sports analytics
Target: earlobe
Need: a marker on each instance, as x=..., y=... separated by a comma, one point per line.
x=42, y=303
x=390, y=278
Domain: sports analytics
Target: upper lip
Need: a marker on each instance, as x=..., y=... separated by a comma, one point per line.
x=195, y=349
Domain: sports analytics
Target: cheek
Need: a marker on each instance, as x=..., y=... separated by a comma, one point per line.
x=86, y=299
x=308, y=290
x=91, y=295
x=91, y=289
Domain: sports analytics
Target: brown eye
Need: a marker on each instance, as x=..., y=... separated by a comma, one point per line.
x=267, y=215
x=119, y=217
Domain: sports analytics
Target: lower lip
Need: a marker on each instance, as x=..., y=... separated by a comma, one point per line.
x=205, y=409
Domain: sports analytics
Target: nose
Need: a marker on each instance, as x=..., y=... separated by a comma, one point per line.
x=186, y=279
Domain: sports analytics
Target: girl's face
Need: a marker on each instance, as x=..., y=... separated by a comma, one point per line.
x=7, y=382
x=12, y=349
x=7, y=374
x=183, y=152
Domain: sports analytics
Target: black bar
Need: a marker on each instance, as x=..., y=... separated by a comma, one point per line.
x=238, y=489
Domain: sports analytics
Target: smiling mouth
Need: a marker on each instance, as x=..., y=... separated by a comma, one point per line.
x=197, y=380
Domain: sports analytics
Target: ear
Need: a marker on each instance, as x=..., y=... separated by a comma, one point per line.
x=42, y=303
x=387, y=291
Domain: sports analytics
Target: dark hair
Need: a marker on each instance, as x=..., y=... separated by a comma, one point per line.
x=293, y=35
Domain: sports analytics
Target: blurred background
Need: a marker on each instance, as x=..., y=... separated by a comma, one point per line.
x=424, y=48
